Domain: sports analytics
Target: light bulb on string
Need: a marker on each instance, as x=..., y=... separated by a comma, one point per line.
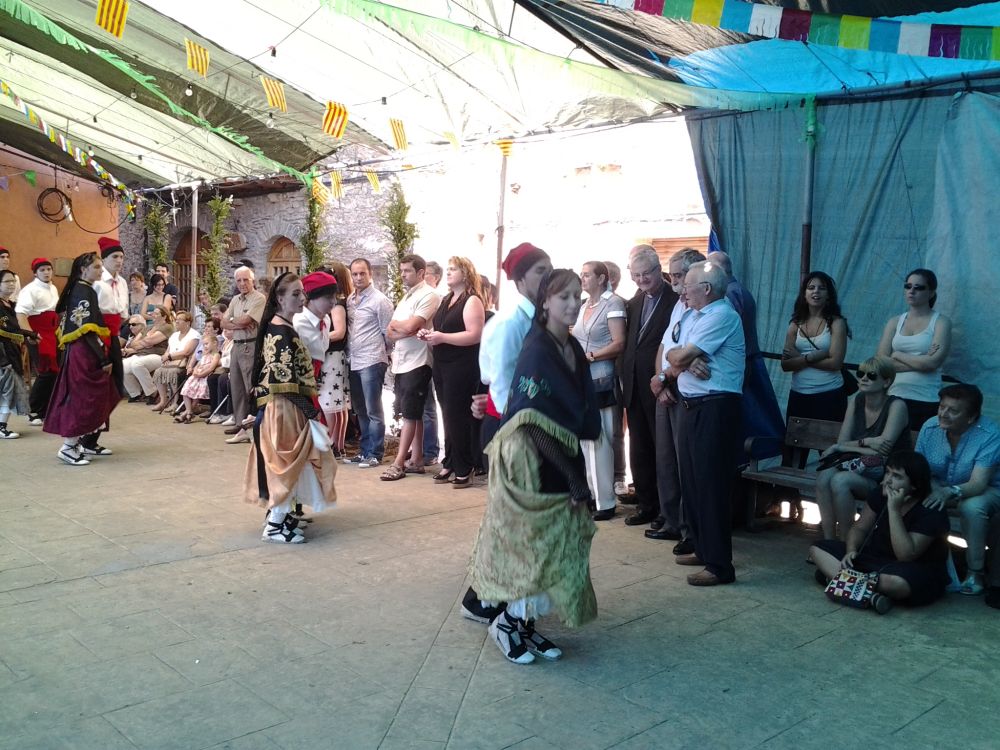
x=270, y=120
x=133, y=94
x=188, y=91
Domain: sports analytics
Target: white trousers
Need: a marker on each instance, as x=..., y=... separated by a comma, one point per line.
x=599, y=457
x=139, y=373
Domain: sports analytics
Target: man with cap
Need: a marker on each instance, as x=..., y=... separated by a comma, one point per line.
x=36, y=310
x=313, y=323
x=5, y=266
x=503, y=335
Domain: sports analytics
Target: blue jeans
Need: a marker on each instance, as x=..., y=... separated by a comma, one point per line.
x=366, y=400
x=431, y=446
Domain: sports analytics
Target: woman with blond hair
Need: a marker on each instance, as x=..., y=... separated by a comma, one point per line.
x=143, y=351
x=874, y=426
x=458, y=328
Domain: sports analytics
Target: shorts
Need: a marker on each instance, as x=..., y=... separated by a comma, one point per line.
x=411, y=392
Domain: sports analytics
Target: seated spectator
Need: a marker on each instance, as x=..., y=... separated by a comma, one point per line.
x=212, y=328
x=156, y=298
x=918, y=342
x=142, y=352
x=963, y=449
x=196, y=386
x=136, y=294
x=180, y=348
x=874, y=427
x=218, y=385
x=202, y=310
x=898, y=536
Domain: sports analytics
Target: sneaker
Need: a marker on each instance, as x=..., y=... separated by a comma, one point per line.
x=354, y=460
x=229, y=421
x=285, y=532
x=369, y=462
x=73, y=458
x=473, y=609
x=239, y=437
x=508, y=639
x=621, y=488
x=537, y=643
x=216, y=419
x=96, y=450
x=6, y=434
x=34, y=420
x=881, y=603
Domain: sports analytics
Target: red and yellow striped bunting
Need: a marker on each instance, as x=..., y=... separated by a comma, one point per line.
x=319, y=192
x=275, y=93
x=336, y=185
x=372, y=176
x=505, y=146
x=111, y=15
x=398, y=134
x=335, y=119
x=197, y=58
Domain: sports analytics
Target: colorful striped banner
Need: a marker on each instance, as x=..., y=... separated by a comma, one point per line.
x=197, y=57
x=335, y=119
x=848, y=32
x=373, y=179
x=336, y=185
x=319, y=192
x=66, y=146
x=398, y=134
x=111, y=15
x=506, y=145
x=275, y=93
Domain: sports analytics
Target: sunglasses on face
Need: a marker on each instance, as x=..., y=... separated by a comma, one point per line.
x=867, y=375
x=915, y=287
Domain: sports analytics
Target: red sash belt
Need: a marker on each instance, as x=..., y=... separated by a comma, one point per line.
x=491, y=408
x=45, y=325
x=114, y=323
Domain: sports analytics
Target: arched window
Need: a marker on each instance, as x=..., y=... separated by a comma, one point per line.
x=283, y=257
x=182, y=268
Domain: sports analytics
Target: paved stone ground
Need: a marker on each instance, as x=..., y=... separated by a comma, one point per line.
x=138, y=609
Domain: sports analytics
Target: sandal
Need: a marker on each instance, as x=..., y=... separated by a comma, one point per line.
x=411, y=469
x=460, y=483
x=443, y=477
x=392, y=473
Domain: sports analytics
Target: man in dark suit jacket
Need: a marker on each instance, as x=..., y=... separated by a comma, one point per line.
x=648, y=315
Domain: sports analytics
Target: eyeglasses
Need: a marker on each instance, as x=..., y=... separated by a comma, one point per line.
x=133, y=325
x=867, y=375
x=915, y=287
x=697, y=283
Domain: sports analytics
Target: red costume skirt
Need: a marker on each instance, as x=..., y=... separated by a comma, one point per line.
x=83, y=397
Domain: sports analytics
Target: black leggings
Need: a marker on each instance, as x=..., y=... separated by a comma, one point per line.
x=455, y=383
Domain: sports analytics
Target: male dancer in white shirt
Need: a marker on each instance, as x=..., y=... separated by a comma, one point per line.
x=36, y=311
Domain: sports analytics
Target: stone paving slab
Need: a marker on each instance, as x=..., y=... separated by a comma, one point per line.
x=139, y=609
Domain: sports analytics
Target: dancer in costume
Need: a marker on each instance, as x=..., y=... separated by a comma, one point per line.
x=85, y=392
x=291, y=460
x=13, y=391
x=533, y=549
x=36, y=311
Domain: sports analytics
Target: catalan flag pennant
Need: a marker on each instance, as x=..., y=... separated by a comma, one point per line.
x=275, y=92
x=336, y=185
x=335, y=119
x=319, y=191
x=452, y=139
x=111, y=16
x=398, y=134
x=373, y=179
x=197, y=58
x=505, y=146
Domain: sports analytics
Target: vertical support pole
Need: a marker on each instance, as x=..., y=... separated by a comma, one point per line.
x=194, y=245
x=505, y=147
x=805, y=259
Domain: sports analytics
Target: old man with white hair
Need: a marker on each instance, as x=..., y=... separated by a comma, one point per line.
x=242, y=317
x=708, y=419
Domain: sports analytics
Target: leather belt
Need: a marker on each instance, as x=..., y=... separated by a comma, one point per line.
x=695, y=401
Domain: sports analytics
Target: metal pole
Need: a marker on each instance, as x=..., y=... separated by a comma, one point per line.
x=503, y=194
x=194, y=245
x=805, y=260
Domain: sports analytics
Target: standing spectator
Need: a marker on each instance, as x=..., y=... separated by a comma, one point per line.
x=815, y=346
x=5, y=266
x=458, y=329
x=618, y=410
x=600, y=329
x=136, y=293
x=918, y=341
x=673, y=523
x=963, y=450
x=431, y=445
x=243, y=319
x=85, y=393
x=36, y=311
x=163, y=270
x=411, y=362
x=648, y=313
x=368, y=315
x=708, y=442
x=13, y=391
x=335, y=385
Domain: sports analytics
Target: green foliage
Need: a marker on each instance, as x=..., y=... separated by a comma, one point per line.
x=212, y=257
x=312, y=249
x=155, y=223
x=401, y=232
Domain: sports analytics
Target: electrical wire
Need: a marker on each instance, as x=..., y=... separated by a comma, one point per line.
x=66, y=211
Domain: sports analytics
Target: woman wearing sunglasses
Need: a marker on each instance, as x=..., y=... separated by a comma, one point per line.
x=874, y=426
x=918, y=342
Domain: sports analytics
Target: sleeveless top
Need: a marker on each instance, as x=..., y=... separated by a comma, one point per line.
x=450, y=319
x=903, y=442
x=916, y=386
x=812, y=379
x=337, y=346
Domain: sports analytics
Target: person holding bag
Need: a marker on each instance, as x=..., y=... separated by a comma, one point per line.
x=897, y=537
x=874, y=427
x=600, y=329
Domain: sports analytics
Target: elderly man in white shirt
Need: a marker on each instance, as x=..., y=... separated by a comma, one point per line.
x=708, y=425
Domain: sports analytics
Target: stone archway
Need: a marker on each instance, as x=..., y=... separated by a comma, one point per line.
x=283, y=256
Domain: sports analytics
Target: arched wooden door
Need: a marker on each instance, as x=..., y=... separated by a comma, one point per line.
x=182, y=268
x=283, y=257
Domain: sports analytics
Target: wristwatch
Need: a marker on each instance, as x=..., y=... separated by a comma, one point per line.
x=663, y=377
x=956, y=492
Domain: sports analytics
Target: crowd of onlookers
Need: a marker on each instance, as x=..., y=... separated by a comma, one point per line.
x=665, y=365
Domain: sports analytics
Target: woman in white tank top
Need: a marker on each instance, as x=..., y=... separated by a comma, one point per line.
x=918, y=342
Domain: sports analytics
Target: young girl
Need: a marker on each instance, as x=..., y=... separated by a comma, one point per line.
x=196, y=386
